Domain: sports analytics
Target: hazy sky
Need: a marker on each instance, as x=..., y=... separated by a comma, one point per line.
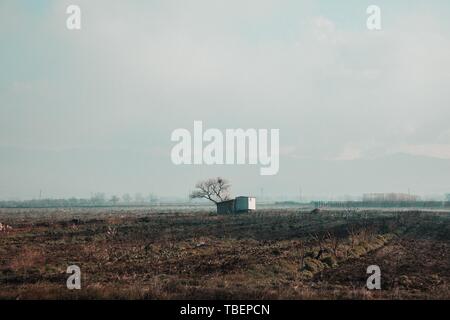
x=93, y=110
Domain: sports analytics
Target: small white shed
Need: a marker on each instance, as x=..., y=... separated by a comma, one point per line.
x=244, y=204
x=237, y=205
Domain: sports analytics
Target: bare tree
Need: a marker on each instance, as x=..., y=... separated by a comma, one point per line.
x=126, y=198
x=302, y=252
x=352, y=235
x=321, y=242
x=214, y=189
x=98, y=198
x=114, y=200
x=334, y=243
x=138, y=198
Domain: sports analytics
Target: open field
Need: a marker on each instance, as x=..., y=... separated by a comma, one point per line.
x=142, y=253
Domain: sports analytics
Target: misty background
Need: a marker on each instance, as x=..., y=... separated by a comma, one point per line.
x=92, y=110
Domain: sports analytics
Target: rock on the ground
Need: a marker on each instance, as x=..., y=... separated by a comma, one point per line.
x=4, y=227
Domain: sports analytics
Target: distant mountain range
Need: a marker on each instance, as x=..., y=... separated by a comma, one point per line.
x=80, y=172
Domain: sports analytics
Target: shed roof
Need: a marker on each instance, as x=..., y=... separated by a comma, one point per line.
x=226, y=201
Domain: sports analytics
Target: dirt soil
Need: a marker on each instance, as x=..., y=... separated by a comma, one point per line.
x=273, y=254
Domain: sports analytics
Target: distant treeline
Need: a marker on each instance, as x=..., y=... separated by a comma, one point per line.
x=126, y=201
x=382, y=204
x=96, y=200
x=75, y=202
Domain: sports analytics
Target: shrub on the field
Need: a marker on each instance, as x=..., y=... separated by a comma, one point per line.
x=330, y=261
x=358, y=251
x=404, y=281
x=307, y=274
x=367, y=245
x=314, y=265
x=379, y=241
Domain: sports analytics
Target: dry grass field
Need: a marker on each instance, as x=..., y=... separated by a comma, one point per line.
x=144, y=253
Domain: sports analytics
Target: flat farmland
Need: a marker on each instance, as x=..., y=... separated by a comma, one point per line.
x=150, y=253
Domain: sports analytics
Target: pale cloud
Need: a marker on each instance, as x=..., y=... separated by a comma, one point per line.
x=441, y=151
x=325, y=30
x=350, y=152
